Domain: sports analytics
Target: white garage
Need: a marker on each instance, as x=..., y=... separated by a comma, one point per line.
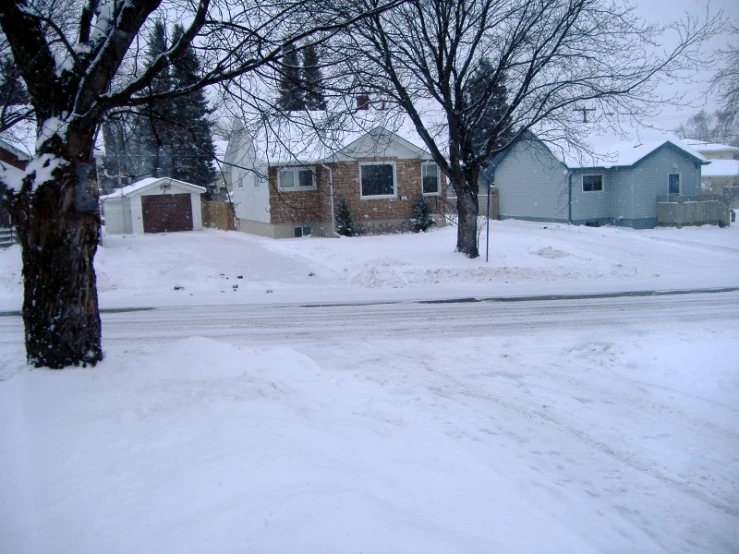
x=153, y=205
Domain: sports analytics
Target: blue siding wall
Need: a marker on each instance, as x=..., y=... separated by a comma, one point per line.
x=651, y=180
x=591, y=205
x=532, y=184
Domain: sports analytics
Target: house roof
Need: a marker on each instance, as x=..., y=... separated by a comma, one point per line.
x=14, y=149
x=710, y=147
x=151, y=182
x=625, y=154
x=315, y=137
x=721, y=168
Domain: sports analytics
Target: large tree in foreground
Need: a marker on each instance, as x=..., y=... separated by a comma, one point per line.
x=552, y=57
x=77, y=59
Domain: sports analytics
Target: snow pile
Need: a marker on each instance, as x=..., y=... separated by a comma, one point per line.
x=559, y=444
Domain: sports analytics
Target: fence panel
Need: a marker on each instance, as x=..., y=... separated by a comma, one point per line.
x=218, y=215
x=677, y=211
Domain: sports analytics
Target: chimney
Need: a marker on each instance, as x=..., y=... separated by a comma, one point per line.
x=362, y=102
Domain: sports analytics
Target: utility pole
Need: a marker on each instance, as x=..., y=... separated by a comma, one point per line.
x=584, y=112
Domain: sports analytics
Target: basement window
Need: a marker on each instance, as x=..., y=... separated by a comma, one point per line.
x=302, y=231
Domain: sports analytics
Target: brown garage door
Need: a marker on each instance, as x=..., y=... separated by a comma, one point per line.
x=167, y=212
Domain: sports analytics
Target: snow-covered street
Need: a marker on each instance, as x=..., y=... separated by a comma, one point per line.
x=270, y=424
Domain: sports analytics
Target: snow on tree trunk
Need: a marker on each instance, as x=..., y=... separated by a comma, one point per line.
x=58, y=243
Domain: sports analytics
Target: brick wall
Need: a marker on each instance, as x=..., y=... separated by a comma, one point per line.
x=408, y=176
x=300, y=206
x=315, y=205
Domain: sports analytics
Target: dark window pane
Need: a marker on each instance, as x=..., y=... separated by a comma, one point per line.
x=592, y=183
x=430, y=178
x=377, y=180
x=305, y=178
x=674, y=183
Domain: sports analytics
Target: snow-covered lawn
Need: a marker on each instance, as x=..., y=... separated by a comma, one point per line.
x=525, y=259
x=614, y=439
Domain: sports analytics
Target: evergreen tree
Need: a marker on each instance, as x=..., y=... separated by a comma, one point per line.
x=486, y=103
x=192, y=138
x=344, y=219
x=290, y=89
x=312, y=79
x=12, y=90
x=157, y=115
x=422, y=211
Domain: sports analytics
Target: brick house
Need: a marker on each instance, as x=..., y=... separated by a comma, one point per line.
x=286, y=182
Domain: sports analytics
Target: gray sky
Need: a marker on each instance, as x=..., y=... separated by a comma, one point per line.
x=698, y=88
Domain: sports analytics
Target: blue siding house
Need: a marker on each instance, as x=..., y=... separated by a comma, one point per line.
x=535, y=184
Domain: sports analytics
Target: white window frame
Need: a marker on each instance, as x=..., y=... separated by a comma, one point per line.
x=679, y=182
x=602, y=182
x=378, y=196
x=295, y=171
x=438, y=179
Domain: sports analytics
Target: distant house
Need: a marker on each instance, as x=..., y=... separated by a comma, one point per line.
x=533, y=183
x=721, y=176
x=12, y=162
x=287, y=179
x=153, y=205
x=714, y=151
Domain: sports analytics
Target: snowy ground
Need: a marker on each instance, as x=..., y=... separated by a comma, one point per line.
x=617, y=438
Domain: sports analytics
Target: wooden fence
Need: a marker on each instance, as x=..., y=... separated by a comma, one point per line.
x=7, y=237
x=678, y=211
x=218, y=215
x=482, y=203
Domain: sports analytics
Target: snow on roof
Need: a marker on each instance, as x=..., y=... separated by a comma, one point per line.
x=721, y=168
x=11, y=176
x=313, y=137
x=143, y=183
x=15, y=149
x=21, y=137
x=623, y=154
x=708, y=147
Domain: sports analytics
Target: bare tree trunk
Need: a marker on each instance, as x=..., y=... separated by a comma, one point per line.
x=60, y=305
x=467, y=209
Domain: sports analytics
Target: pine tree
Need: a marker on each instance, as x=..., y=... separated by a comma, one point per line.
x=344, y=219
x=290, y=89
x=312, y=79
x=12, y=89
x=486, y=103
x=192, y=138
x=422, y=211
x=157, y=116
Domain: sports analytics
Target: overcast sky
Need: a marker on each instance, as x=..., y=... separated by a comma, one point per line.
x=663, y=11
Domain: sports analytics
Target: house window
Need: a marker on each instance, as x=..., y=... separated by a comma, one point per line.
x=377, y=180
x=302, y=231
x=430, y=178
x=592, y=183
x=673, y=180
x=296, y=178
